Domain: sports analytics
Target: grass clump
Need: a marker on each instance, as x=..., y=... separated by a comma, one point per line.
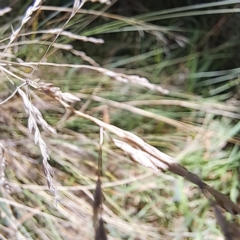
x=158, y=83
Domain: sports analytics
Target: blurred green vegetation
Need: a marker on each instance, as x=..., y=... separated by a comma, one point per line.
x=190, y=48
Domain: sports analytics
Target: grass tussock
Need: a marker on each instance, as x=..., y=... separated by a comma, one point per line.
x=127, y=115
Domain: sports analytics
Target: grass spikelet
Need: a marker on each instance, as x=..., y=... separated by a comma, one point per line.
x=4, y=11
x=35, y=118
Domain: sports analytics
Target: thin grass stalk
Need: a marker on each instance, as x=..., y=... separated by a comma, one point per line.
x=98, y=223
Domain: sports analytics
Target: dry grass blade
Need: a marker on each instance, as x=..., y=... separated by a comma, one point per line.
x=5, y=10
x=102, y=1
x=132, y=109
x=100, y=232
x=51, y=90
x=97, y=203
x=171, y=163
x=141, y=157
x=156, y=159
x=230, y=230
x=62, y=33
x=98, y=224
x=134, y=79
x=222, y=222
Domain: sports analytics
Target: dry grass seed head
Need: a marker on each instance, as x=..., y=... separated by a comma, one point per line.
x=35, y=118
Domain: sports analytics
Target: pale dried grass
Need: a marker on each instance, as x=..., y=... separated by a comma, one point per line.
x=72, y=218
